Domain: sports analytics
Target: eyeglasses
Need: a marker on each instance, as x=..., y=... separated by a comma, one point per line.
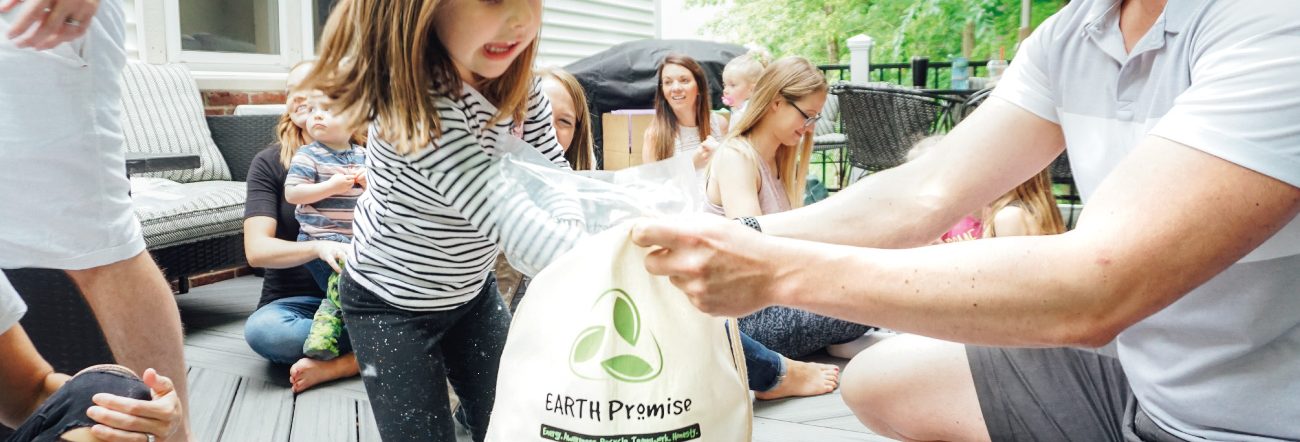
x=807, y=120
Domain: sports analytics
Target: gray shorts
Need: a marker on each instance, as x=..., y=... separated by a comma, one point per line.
x=1057, y=394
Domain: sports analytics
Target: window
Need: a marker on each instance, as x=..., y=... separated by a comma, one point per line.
x=318, y=13
x=230, y=26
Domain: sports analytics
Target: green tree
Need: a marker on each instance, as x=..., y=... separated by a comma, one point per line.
x=817, y=29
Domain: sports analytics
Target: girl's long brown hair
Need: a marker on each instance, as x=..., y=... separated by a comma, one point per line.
x=381, y=60
x=579, y=152
x=1034, y=196
x=663, y=131
x=788, y=79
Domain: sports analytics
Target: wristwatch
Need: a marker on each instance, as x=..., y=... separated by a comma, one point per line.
x=750, y=221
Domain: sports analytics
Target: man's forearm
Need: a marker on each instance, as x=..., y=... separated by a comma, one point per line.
x=889, y=209
x=1025, y=291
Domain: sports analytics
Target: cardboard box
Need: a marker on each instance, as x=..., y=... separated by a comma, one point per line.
x=624, y=134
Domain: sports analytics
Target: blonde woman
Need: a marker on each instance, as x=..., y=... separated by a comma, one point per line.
x=760, y=169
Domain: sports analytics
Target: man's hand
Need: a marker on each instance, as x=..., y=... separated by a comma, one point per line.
x=725, y=268
x=129, y=420
x=45, y=24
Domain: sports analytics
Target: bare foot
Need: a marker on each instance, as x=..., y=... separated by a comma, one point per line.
x=803, y=379
x=308, y=372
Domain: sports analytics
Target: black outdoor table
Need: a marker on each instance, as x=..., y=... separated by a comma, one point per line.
x=138, y=162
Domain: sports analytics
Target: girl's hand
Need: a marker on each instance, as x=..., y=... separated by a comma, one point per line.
x=65, y=21
x=124, y=419
x=331, y=252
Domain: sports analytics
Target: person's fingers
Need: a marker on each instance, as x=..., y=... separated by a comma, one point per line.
x=8, y=5
x=159, y=384
x=658, y=232
x=49, y=27
x=34, y=13
x=109, y=434
x=71, y=27
x=134, y=408
x=126, y=421
x=335, y=254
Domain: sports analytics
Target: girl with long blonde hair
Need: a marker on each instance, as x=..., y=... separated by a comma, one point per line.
x=443, y=86
x=760, y=169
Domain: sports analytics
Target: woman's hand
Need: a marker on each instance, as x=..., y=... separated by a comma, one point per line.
x=331, y=252
x=130, y=420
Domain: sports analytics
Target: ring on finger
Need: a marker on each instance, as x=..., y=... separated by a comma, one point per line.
x=150, y=437
x=72, y=22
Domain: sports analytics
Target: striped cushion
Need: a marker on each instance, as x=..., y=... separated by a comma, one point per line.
x=174, y=213
x=163, y=113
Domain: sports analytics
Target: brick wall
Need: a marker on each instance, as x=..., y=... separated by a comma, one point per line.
x=224, y=102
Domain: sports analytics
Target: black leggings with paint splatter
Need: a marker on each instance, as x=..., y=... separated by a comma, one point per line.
x=407, y=357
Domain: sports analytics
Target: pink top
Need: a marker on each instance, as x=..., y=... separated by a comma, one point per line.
x=968, y=225
x=772, y=197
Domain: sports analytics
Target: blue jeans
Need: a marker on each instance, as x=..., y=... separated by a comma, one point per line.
x=320, y=272
x=277, y=330
x=765, y=367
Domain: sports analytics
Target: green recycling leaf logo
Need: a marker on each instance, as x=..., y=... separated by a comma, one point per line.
x=632, y=360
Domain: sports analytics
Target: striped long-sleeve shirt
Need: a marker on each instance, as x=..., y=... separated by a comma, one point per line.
x=427, y=229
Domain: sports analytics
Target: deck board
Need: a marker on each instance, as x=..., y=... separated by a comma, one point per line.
x=262, y=411
x=237, y=395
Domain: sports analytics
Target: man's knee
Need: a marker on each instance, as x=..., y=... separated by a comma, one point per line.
x=866, y=387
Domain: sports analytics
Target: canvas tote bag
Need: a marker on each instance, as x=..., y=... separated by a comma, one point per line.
x=600, y=350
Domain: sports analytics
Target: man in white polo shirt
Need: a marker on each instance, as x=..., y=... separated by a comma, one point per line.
x=1182, y=123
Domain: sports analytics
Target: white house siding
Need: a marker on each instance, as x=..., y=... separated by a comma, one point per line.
x=574, y=29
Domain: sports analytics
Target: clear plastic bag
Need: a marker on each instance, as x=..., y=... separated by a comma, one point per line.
x=603, y=198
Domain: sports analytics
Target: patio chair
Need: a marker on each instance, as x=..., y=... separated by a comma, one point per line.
x=882, y=123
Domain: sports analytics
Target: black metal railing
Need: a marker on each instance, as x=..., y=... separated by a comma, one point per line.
x=919, y=73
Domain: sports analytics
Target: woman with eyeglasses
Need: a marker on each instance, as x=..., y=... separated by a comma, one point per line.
x=759, y=169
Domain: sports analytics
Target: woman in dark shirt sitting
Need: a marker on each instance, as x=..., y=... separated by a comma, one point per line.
x=290, y=296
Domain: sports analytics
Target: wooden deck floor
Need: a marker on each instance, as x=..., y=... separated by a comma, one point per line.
x=237, y=396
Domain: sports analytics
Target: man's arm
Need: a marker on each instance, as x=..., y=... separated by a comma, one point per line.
x=25, y=377
x=1137, y=248
x=989, y=153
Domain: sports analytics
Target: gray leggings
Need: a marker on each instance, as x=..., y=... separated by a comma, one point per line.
x=794, y=333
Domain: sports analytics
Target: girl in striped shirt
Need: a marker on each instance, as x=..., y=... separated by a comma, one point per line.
x=441, y=84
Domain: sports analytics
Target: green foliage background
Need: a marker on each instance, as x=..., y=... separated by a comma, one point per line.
x=817, y=29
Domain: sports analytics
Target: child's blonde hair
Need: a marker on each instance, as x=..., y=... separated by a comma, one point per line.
x=1035, y=197
x=289, y=135
x=790, y=78
x=579, y=152
x=381, y=58
x=749, y=65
